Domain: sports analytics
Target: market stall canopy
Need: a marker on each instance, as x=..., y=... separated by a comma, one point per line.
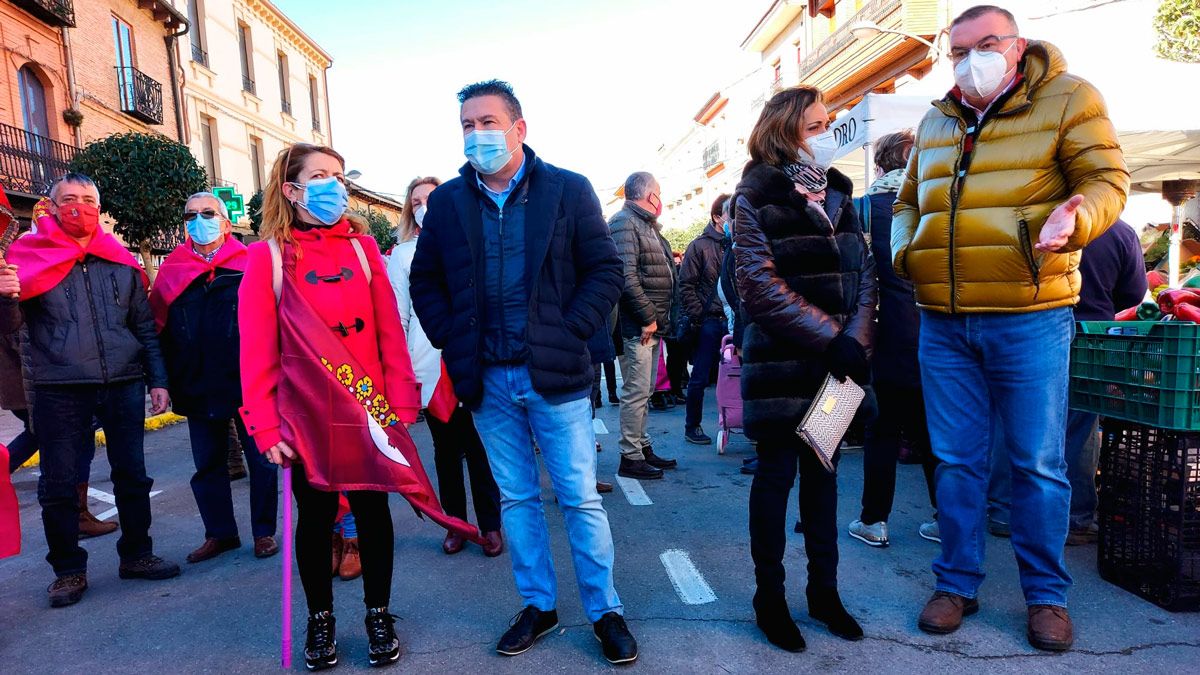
x=1157, y=156
x=875, y=116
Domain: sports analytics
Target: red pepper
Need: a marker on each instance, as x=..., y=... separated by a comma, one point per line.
x=1187, y=313
x=1169, y=301
x=1128, y=314
x=1154, y=279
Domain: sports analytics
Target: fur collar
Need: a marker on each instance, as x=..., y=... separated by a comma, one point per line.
x=765, y=184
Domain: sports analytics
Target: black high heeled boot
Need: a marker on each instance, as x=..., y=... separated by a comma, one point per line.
x=825, y=605
x=775, y=621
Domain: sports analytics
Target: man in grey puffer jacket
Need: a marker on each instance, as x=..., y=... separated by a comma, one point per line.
x=644, y=311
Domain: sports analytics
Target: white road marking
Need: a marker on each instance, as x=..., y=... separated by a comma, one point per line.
x=101, y=496
x=688, y=582
x=633, y=491
x=598, y=426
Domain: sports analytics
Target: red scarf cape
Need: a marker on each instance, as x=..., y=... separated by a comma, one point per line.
x=10, y=515
x=337, y=417
x=183, y=267
x=46, y=255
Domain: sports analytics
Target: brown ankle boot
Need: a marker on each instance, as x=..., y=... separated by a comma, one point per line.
x=351, y=567
x=1050, y=628
x=89, y=525
x=339, y=545
x=945, y=611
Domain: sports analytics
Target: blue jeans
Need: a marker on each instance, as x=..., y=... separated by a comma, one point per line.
x=509, y=411
x=1082, y=453
x=704, y=358
x=210, y=483
x=1013, y=367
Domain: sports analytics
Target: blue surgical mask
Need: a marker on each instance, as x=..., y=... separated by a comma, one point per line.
x=325, y=199
x=487, y=150
x=728, y=229
x=204, y=231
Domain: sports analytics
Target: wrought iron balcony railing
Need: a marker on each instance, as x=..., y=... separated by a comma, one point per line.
x=54, y=12
x=199, y=55
x=248, y=85
x=141, y=95
x=30, y=163
x=317, y=125
x=286, y=106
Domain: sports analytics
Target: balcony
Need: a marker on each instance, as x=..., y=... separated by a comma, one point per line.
x=141, y=95
x=54, y=12
x=30, y=163
x=199, y=55
x=316, y=125
x=286, y=106
x=222, y=183
x=248, y=85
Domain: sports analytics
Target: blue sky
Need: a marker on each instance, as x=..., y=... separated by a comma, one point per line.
x=602, y=83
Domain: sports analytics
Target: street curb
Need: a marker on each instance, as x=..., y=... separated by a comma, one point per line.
x=152, y=424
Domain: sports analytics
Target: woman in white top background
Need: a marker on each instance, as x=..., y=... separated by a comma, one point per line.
x=456, y=437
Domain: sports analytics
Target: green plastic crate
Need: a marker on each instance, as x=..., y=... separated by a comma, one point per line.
x=1139, y=371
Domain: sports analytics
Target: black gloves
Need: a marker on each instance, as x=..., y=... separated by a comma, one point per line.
x=845, y=357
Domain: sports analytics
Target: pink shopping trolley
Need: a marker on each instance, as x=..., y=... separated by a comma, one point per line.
x=729, y=394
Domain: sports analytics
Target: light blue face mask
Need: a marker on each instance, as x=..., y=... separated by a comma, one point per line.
x=487, y=150
x=204, y=231
x=325, y=199
x=728, y=229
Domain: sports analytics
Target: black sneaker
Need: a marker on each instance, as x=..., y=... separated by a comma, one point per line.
x=656, y=461
x=696, y=435
x=612, y=398
x=639, y=469
x=657, y=402
x=320, y=647
x=148, y=566
x=527, y=626
x=383, y=645
x=750, y=467
x=615, y=639
x=67, y=589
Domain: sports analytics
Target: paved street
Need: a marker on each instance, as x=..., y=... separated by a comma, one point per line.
x=222, y=615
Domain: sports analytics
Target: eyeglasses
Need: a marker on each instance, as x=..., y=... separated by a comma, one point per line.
x=990, y=43
x=207, y=213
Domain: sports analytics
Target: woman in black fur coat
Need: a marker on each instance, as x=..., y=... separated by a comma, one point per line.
x=808, y=291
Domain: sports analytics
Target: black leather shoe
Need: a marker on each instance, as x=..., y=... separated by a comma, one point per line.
x=320, y=646
x=148, y=566
x=750, y=467
x=639, y=469
x=656, y=461
x=528, y=625
x=696, y=435
x=658, y=402
x=615, y=639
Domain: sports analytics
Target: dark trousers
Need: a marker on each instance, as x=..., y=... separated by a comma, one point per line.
x=314, y=542
x=704, y=360
x=779, y=458
x=901, y=414
x=210, y=483
x=451, y=441
x=62, y=416
x=677, y=360
x=609, y=368
x=21, y=448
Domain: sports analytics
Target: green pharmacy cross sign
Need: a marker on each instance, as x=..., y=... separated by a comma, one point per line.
x=233, y=202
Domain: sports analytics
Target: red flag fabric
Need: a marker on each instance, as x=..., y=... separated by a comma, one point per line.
x=337, y=417
x=184, y=266
x=46, y=255
x=10, y=514
x=443, y=402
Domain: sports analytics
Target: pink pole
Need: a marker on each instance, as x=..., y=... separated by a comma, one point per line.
x=285, y=634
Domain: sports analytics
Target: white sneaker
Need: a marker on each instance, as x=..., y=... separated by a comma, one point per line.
x=875, y=534
x=931, y=531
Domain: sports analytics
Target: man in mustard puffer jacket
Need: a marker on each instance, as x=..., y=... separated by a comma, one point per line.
x=1014, y=171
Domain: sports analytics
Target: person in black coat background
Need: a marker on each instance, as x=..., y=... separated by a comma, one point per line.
x=807, y=286
x=896, y=373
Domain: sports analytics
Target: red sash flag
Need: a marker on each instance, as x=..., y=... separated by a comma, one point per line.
x=184, y=266
x=10, y=515
x=443, y=402
x=46, y=255
x=337, y=417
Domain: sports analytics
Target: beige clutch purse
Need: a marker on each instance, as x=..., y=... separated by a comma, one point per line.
x=829, y=417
